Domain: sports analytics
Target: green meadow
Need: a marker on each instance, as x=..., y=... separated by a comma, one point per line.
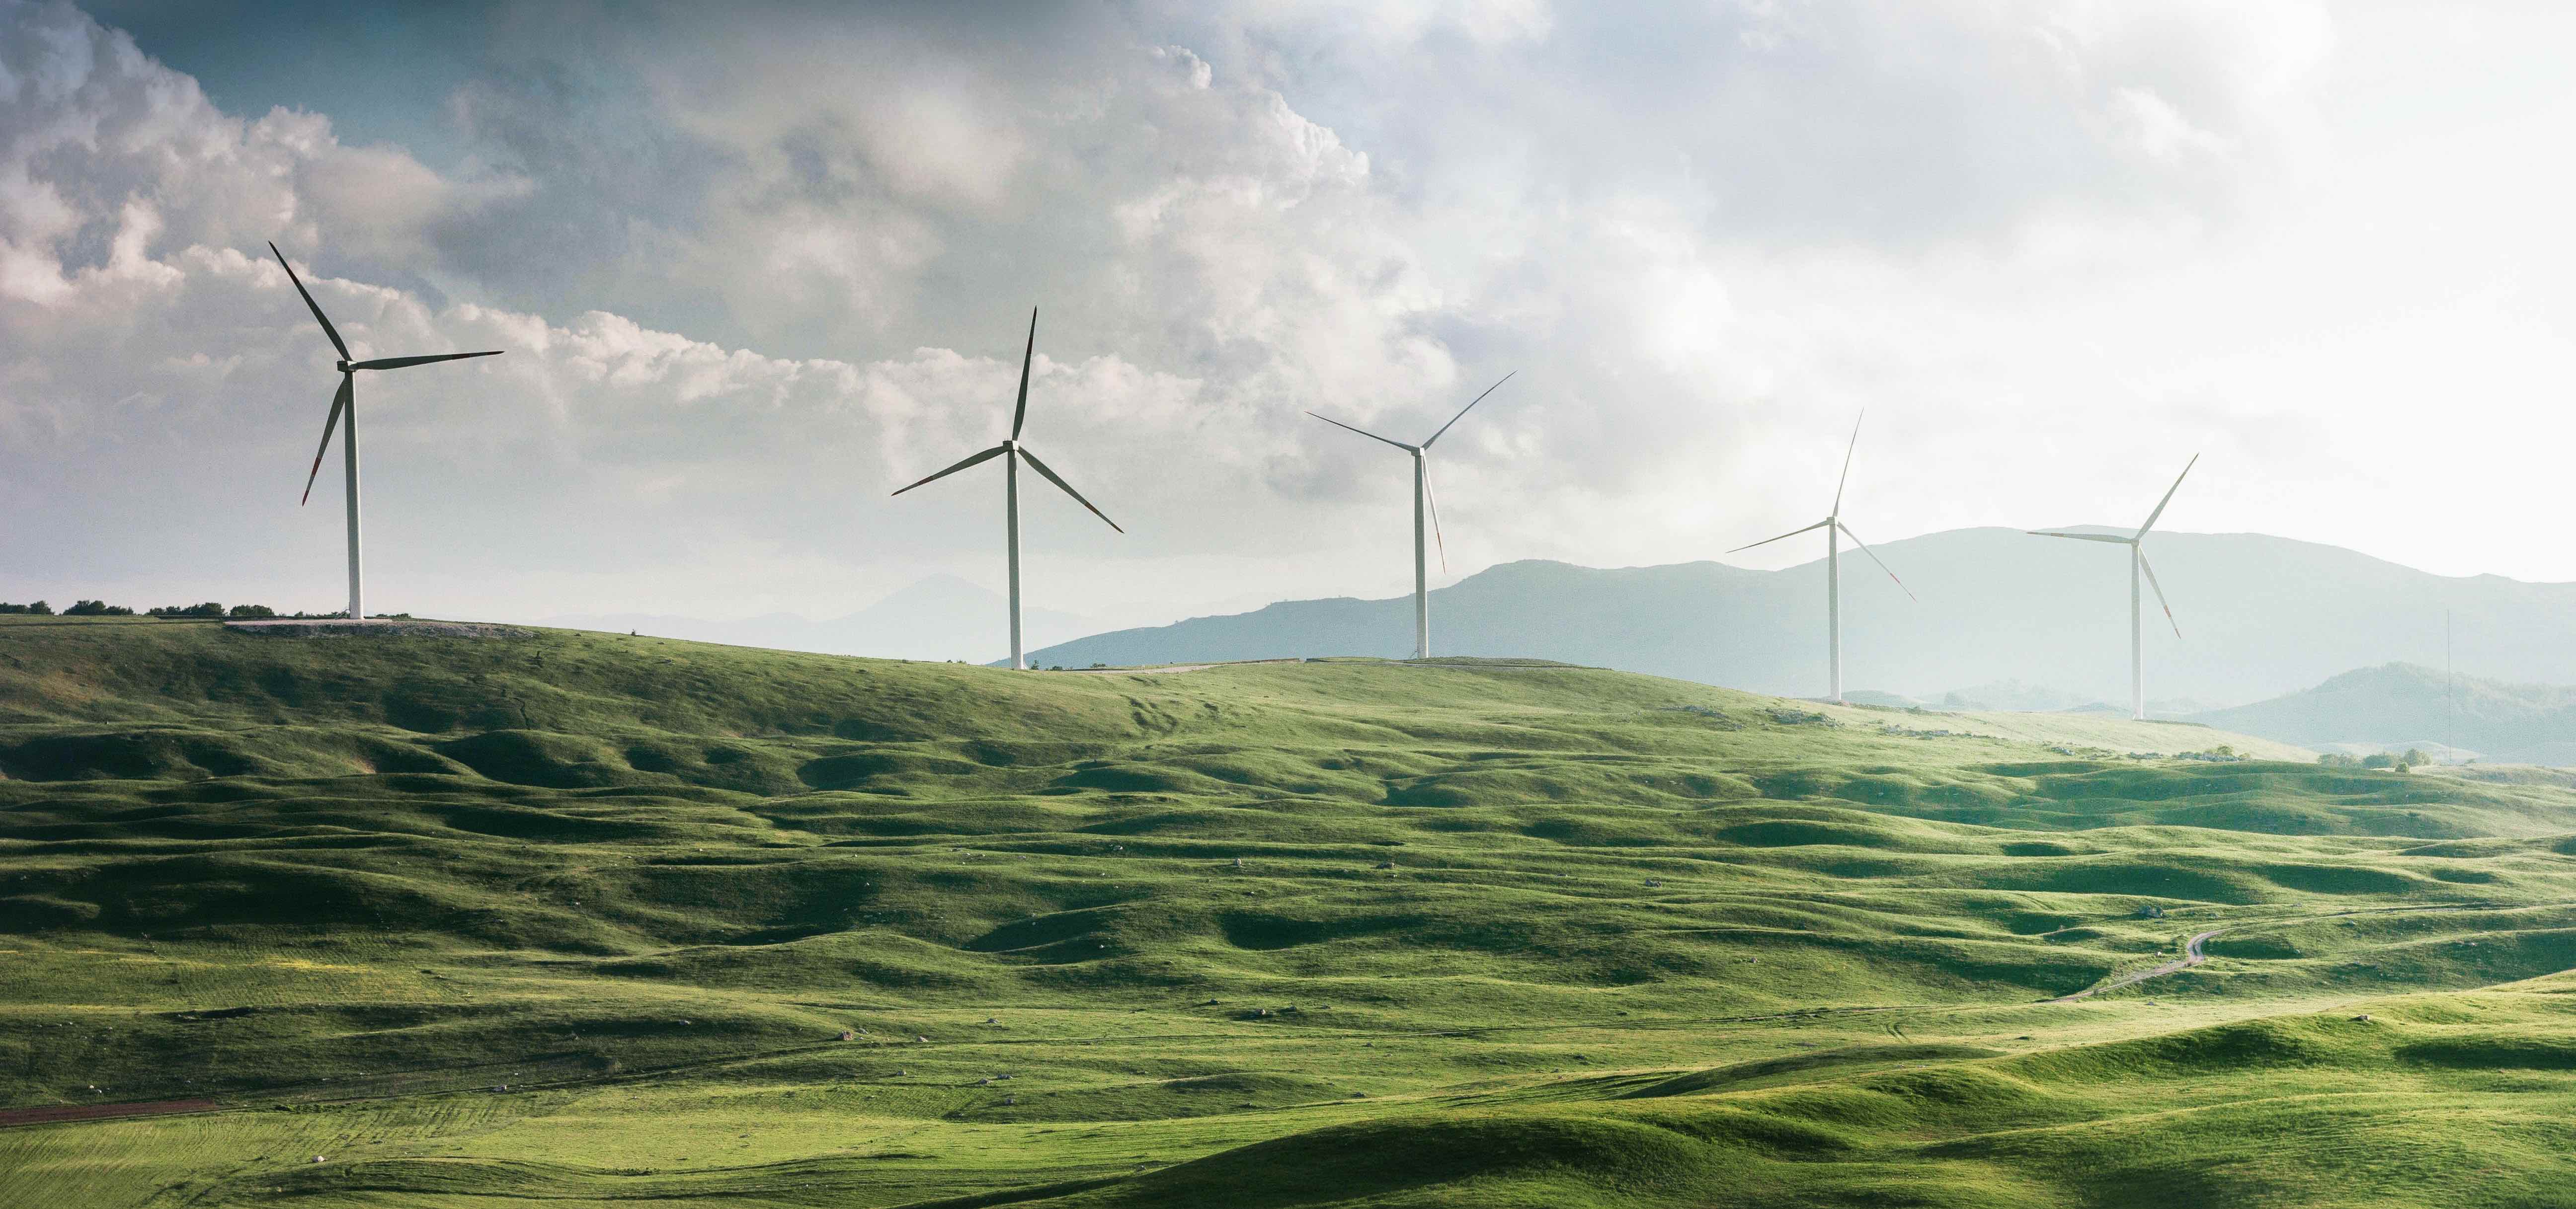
x=593, y=920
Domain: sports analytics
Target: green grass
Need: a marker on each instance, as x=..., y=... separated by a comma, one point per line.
x=1285, y=934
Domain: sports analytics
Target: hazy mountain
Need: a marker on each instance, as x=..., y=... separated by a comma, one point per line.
x=2400, y=705
x=2260, y=616
x=941, y=617
x=2010, y=695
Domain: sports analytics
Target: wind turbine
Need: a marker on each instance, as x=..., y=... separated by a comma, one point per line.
x=1011, y=484
x=1422, y=499
x=2138, y=564
x=1835, y=532
x=346, y=401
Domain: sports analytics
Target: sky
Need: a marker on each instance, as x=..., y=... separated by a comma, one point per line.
x=754, y=266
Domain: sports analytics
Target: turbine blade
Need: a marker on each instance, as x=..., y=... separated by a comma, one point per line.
x=2112, y=538
x=1783, y=537
x=1873, y=557
x=1471, y=406
x=315, y=307
x=339, y=403
x=2150, y=569
x=1051, y=477
x=986, y=456
x=399, y=362
x=1433, y=498
x=1847, y=459
x=1364, y=432
x=2169, y=494
x=1020, y=413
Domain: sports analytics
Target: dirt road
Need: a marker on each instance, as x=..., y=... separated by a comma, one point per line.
x=2191, y=956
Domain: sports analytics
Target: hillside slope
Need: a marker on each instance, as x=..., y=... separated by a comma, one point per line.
x=2398, y=705
x=2260, y=616
x=582, y=918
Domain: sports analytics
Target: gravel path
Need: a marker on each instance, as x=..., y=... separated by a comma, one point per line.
x=2191, y=956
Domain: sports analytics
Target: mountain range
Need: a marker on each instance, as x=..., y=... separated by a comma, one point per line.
x=2040, y=622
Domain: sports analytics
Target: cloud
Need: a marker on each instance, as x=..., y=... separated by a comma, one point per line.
x=101, y=144
x=753, y=270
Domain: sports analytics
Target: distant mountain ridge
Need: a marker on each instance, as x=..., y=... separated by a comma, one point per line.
x=2399, y=705
x=2262, y=616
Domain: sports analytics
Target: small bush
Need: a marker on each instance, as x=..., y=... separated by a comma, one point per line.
x=251, y=611
x=96, y=608
x=208, y=609
x=39, y=609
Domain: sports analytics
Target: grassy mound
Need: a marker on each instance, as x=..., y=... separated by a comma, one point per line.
x=578, y=917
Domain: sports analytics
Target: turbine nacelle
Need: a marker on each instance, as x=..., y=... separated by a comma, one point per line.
x=343, y=400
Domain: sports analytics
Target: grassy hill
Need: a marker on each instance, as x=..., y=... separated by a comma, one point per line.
x=588, y=919
x=2397, y=705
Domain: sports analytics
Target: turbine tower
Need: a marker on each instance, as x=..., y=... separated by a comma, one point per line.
x=1422, y=501
x=2138, y=564
x=346, y=402
x=1015, y=453
x=1835, y=532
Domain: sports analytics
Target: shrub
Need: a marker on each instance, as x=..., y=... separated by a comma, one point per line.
x=208, y=609
x=2336, y=759
x=252, y=611
x=39, y=609
x=2379, y=760
x=96, y=608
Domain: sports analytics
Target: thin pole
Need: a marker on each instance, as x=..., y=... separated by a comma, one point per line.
x=349, y=460
x=1834, y=606
x=2137, y=647
x=1421, y=566
x=1011, y=510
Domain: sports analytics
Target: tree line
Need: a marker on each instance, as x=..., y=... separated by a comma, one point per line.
x=2401, y=761
x=100, y=608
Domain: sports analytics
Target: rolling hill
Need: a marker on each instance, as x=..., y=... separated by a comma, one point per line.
x=580, y=918
x=2261, y=616
x=940, y=617
x=2400, y=705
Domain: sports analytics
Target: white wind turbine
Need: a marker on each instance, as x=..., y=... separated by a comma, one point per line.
x=1011, y=484
x=346, y=401
x=1835, y=532
x=1422, y=500
x=2138, y=565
